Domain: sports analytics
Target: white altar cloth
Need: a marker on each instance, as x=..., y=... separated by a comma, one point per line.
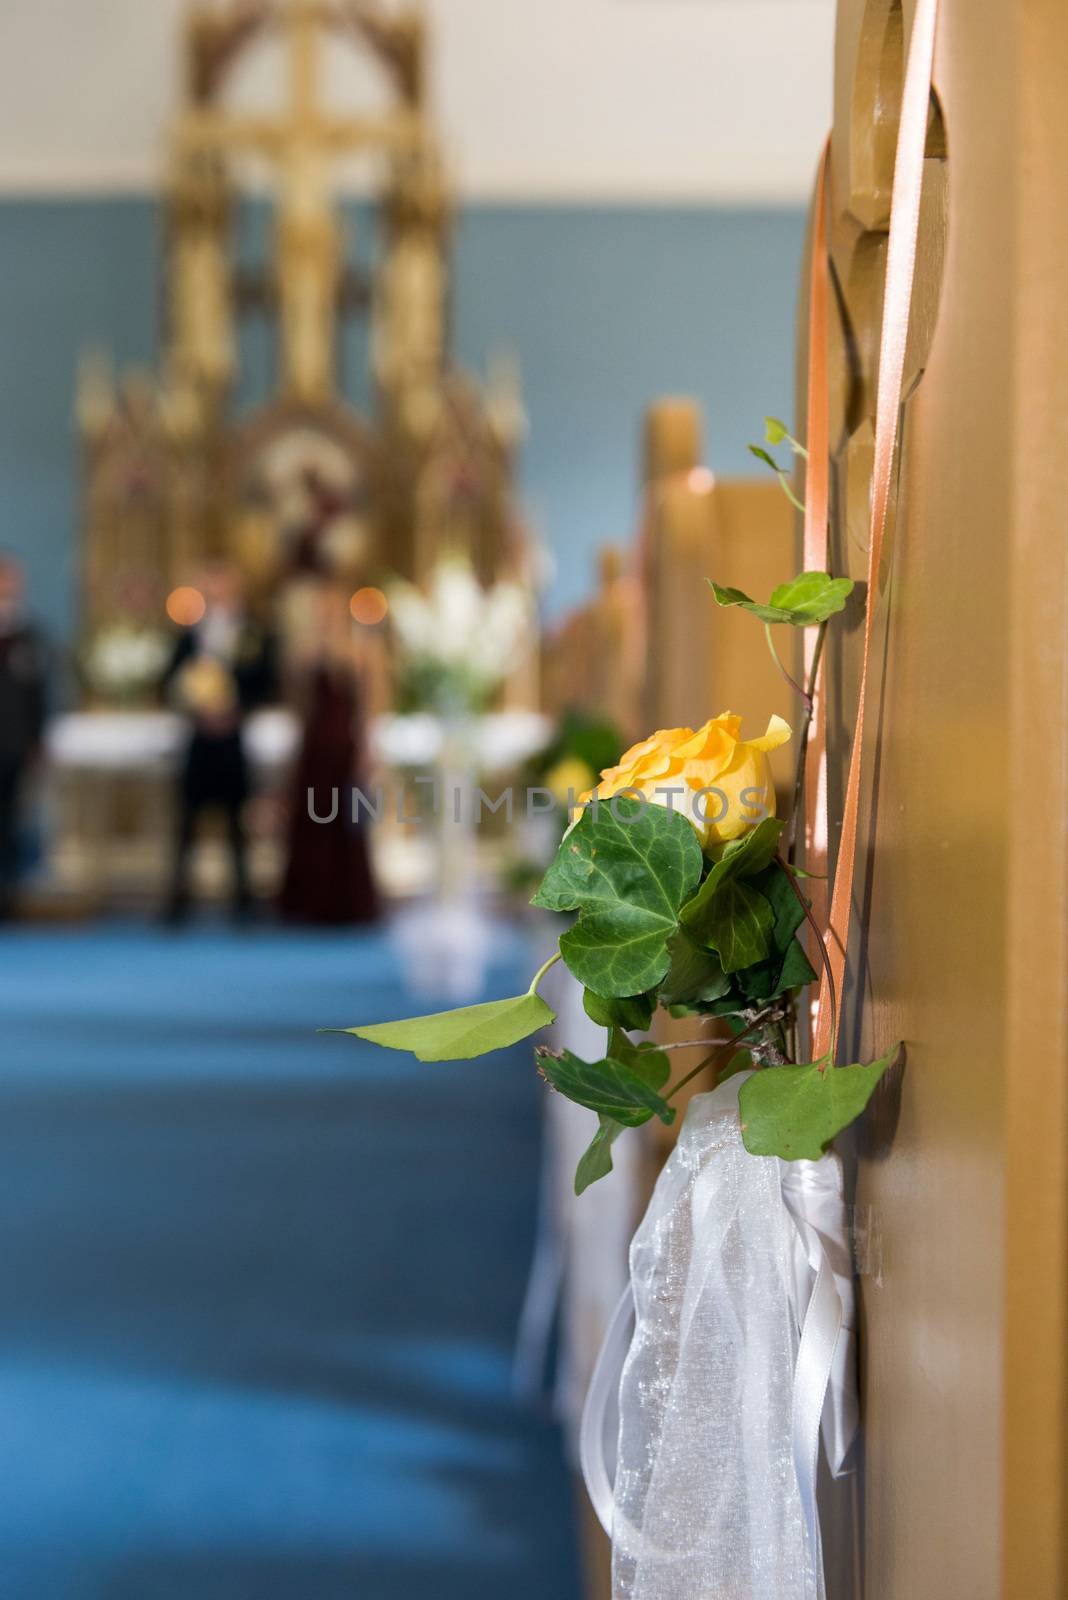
x=115, y=742
x=150, y=741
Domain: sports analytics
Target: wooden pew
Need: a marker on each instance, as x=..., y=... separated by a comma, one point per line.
x=651, y=649
x=961, y=942
x=702, y=659
x=593, y=660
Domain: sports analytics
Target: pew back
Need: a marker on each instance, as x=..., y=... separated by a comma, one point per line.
x=960, y=937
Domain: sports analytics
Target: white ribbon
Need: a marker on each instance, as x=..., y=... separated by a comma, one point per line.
x=824, y=1383
x=825, y=1388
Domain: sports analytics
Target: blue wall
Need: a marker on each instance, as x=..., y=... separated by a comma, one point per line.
x=607, y=307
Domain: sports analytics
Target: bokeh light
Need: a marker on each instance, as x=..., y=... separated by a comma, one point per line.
x=369, y=606
x=185, y=606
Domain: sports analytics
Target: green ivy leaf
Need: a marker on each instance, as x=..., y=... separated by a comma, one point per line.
x=646, y=1059
x=795, y=1112
x=786, y=966
x=695, y=974
x=633, y=1013
x=809, y=598
x=740, y=1061
x=738, y=597
x=744, y=857
x=626, y=871
x=741, y=858
x=762, y=455
x=797, y=970
x=778, y=891
x=607, y=1087
x=726, y=596
x=763, y=983
x=463, y=1034
x=596, y=1160
x=738, y=924
x=776, y=432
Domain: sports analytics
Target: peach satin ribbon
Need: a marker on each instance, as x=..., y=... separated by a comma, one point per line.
x=900, y=271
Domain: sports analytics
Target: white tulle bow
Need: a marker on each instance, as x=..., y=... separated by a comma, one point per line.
x=741, y=1299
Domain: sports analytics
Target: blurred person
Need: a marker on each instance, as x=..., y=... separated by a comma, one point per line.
x=328, y=876
x=222, y=667
x=23, y=693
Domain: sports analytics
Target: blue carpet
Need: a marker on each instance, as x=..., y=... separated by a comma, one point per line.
x=260, y=1286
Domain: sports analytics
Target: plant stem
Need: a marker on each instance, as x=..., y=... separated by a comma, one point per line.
x=802, y=752
x=542, y=970
x=775, y=657
x=728, y=1044
x=784, y=483
x=821, y=942
x=683, y=1044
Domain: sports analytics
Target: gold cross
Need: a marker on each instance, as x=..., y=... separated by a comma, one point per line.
x=303, y=123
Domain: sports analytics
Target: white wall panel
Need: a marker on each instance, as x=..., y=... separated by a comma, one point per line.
x=616, y=100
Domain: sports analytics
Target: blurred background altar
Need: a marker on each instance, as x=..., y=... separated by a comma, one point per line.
x=375, y=388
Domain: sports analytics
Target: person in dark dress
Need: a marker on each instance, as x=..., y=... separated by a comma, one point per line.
x=23, y=693
x=328, y=875
x=222, y=668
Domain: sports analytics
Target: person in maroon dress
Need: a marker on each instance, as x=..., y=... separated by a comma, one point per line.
x=328, y=876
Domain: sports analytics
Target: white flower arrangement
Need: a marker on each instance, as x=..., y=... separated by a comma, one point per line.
x=126, y=662
x=458, y=642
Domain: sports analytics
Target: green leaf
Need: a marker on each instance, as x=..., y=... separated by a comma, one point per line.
x=796, y=970
x=740, y=1061
x=795, y=1112
x=733, y=1005
x=786, y=966
x=607, y=1087
x=763, y=983
x=626, y=871
x=695, y=974
x=762, y=455
x=646, y=1059
x=631, y=1012
x=775, y=432
x=778, y=891
x=809, y=598
x=738, y=597
x=463, y=1034
x=596, y=1160
x=741, y=858
x=751, y=853
x=739, y=924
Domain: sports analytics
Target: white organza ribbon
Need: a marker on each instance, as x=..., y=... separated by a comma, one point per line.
x=742, y=1301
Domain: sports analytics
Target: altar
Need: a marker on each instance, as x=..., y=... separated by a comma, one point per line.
x=110, y=777
x=301, y=474
x=178, y=465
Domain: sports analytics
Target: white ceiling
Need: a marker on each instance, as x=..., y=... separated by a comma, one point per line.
x=574, y=100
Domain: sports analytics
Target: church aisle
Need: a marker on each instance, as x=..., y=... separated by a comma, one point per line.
x=260, y=1286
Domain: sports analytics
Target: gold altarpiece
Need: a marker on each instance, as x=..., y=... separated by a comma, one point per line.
x=172, y=471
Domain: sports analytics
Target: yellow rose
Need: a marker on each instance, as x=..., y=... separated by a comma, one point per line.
x=719, y=781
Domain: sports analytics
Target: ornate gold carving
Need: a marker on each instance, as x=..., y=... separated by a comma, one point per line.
x=432, y=470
